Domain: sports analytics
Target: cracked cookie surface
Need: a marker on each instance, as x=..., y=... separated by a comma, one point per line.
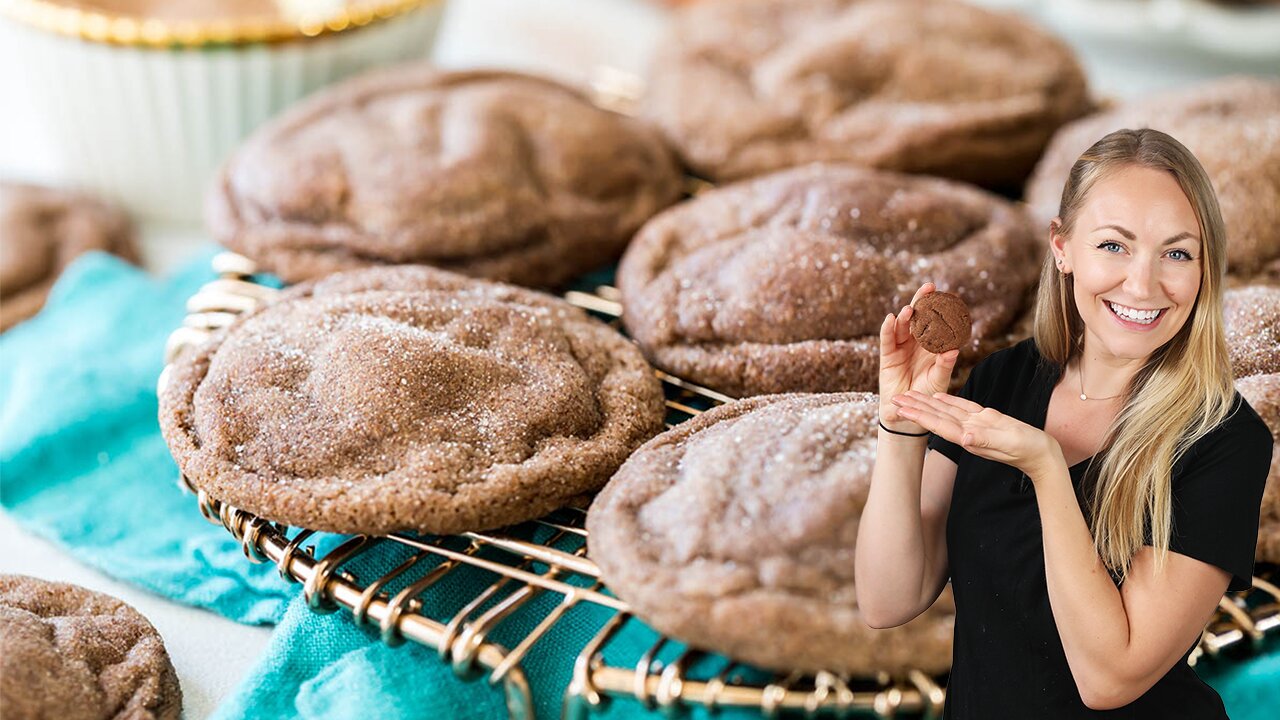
x=491, y=174
x=938, y=88
x=1252, y=321
x=940, y=322
x=408, y=398
x=735, y=532
x=74, y=654
x=780, y=283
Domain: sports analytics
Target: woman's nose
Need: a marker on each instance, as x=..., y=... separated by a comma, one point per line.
x=1141, y=279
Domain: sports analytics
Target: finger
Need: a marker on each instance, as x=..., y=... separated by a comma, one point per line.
x=958, y=402
x=913, y=399
x=925, y=289
x=888, y=341
x=943, y=365
x=933, y=422
x=984, y=442
x=919, y=400
x=903, y=330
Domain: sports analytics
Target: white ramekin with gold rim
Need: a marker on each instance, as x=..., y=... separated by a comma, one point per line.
x=142, y=99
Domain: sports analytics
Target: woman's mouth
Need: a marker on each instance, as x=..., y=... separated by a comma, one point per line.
x=1133, y=318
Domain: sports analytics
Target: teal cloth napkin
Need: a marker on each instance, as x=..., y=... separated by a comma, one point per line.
x=1249, y=688
x=82, y=462
x=325, y=667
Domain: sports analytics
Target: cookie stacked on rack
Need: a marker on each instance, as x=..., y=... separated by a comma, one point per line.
x=735, y=531
x=1252, y=315
x=780, y=284
x=407, y=399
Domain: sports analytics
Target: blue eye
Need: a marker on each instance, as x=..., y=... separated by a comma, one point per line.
x=1185, y=253
x=1109, y=242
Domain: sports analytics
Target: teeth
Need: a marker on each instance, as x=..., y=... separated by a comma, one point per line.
x=1138, y=316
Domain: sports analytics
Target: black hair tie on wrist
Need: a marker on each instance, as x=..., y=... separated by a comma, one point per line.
x=897, y=432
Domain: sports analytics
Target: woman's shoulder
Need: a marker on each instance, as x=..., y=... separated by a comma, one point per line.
x=1240, y=441
x=1243, y=420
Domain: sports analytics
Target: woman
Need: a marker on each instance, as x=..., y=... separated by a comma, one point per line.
x=1093, y=490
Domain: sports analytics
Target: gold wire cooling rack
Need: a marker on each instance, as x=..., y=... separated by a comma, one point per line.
x=665, y=676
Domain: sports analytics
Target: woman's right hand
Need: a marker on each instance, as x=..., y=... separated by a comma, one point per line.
x=905, y=365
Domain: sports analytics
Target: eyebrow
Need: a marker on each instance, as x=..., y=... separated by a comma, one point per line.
x=1130, y=236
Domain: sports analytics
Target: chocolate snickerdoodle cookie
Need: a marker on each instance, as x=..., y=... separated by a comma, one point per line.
x=408, y=398
x=924, y=86
x=491, y=174
x=1251, y=321
x=1263, y=394
x=1251, y=317
x=735, y=532
x=74, y=654
x=41, y=231
x=780, y=283
x=940, y=322
x=1232, y=125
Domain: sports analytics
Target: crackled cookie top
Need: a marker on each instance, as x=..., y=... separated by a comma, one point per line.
x=781, y=283
x=940, y=322
x=408, y=398
x=941, y=88
x=1252, y=321
x=70, y=653
x=491, y=174
x=746, y=517
x=1262, y=392
x=41, y=231
x=1251, y=316
x=1232, y=125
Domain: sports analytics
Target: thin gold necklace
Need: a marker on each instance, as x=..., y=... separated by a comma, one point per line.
x=1080, y=372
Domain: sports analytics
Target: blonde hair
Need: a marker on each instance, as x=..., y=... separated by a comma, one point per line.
x=1184, y=389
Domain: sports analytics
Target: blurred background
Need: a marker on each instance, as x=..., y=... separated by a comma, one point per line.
x=71, y=115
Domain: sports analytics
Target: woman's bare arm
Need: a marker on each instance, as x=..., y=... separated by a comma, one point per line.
x=901, y=556
x=1118, y=641
x=900, y=561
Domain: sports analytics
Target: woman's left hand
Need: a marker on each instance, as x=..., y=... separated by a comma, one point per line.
x=985, y=432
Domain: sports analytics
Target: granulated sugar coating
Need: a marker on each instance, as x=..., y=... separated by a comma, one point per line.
x=1252, y=320
x=1232, y=125
x=746, y=517
x=937, y=88
x=1262, y=392
x=780, y=284
x=408, y=399
x=73, y=654
x=491, y=174
x=1252, y=317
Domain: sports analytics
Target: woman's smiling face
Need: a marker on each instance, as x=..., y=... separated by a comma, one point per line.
x=1134, y=254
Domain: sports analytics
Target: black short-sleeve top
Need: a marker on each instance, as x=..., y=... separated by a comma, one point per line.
x=1008, y=659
